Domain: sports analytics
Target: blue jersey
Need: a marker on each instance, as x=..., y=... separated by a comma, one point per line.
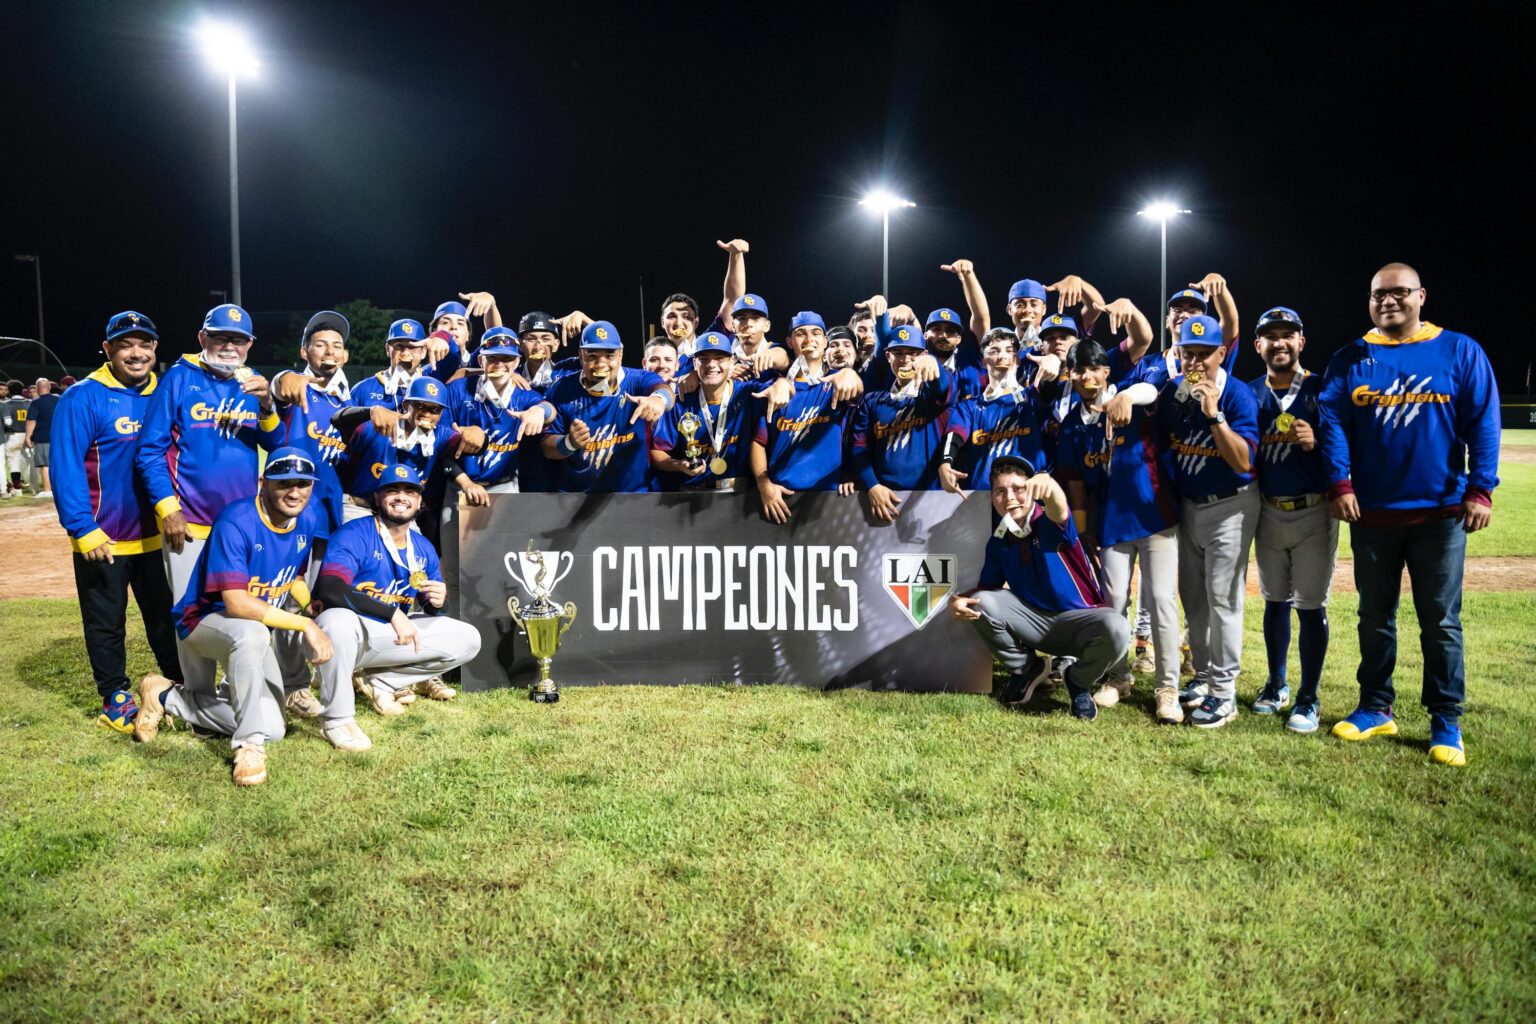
x=897, y=441
x=363, y=558
x=370, y=453
x=537, y=474
x=738, y=429
x=1199, y=471
x=1129, y=480
x=804, y=441
x=1412, y=424
x=498, y=462
x=197, y=449
x=1285, y=470
x=97, y=494
x=1007, y=424
x=245, y=552
x=1046, y=569
x=371, y=391
x=312, y=431
x=617, y=456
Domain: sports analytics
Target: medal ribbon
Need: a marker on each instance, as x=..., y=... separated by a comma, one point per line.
x=716, y=433
x=411, y=564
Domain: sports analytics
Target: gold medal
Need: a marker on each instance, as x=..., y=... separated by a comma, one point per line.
x=718, y=466
x=244, y=373
x=1284, y=422
x=1195, y=374
x=906, y=373
x=419, y=579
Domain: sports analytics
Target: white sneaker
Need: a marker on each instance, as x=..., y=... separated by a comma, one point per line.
x=1111, y=693
x=347, y=736
x=251, y=765
x=303, y=704
x=43, y=494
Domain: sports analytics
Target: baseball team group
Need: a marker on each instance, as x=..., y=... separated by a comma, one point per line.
x=287, y=587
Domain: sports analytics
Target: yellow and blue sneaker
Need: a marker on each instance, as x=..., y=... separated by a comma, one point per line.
x=118, y=711
x=1445, y=741
x=1362, y=725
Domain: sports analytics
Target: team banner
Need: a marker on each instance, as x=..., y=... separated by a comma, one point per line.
x=699, y=588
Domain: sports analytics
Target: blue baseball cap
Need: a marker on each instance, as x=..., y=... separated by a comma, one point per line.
x=328, y=320
x=289, y=463
x=449, y=309
x=1028, y=288
x=499, y=341
x=1282, y=315
x=713, y=341
x=600, y=334
x=1189, y=295
x=806, y=318
x=230, y=318
x=907, y=336
x=406, y=330
x=1058, y=322
x=129, y=322
x=749, y=304
x=943, y=315
x=429, y=390
x=394, y=476
x=1200, y=330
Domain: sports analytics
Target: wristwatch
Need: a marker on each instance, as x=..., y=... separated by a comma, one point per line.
x=1220, y=417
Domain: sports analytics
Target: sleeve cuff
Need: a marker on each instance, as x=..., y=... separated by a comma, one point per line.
x=1478, y=495
x=165, y=506
x=1340, y=489
x=269, y=422
x=91, y=541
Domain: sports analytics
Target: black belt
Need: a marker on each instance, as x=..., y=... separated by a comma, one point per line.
x=1295, y=504
x=1211, y=499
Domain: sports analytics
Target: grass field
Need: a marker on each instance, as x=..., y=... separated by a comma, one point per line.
x=770, y=854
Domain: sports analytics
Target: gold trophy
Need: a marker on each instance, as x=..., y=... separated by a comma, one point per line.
x=693, y=451
x=543, y=622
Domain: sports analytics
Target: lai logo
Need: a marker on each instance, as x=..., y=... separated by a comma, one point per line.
x=920, y=584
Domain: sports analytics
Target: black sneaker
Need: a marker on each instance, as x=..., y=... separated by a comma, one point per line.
x=1083, y=706
x=1194, y=693
x=1021, y=686
x=1213, y=713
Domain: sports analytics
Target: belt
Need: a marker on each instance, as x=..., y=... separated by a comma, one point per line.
x=1295, y=504
x=1211, y=499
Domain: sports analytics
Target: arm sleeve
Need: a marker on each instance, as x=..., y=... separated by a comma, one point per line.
x=350, y=418
x=73, y=429
x=1477, y=421
x=333, y=593
x=154, y=442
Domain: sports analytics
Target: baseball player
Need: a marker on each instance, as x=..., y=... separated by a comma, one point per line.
x=255, y=559
x=680, y=318
x=110, y=521
x=197, y=450
x=1211, y=422
x=898, y=432
x=1003, y=419
x=756, y=358
x=508, y=414
x=15, y=409
x=842, y=349
x=661, y=358
x=1198, y=300
x=1411, y=443
x=307, y=415
x=405, y=345
x=1052, y=602
x=604, y=418
x=702, y=441
x=452, y=319
x=382, y=592
x=1296, y=540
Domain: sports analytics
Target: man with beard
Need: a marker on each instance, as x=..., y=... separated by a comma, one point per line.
x=406, y=348
x=898, y=432
x=231, y=614
x=1051, y=602
x=1004, y=419
x=862, y=324
x=197, y=450
x=1296, y=540
x=604, y=418
x=661, y=358
x=508, y=414
x=842, y=349
x=1411, y=442
x=306, y=420
x=382, y=594
x=799, y=441
x=110, y=520
x=702, y=442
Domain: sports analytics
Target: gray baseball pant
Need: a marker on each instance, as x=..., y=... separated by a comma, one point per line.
x=247, y=705
x=1159, y=558
x=1214, y=541
x=1097, y=637
x=1296, y=551
x=367, y=645
x=179, y=567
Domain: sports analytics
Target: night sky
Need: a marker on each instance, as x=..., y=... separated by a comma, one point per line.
x=556, y=153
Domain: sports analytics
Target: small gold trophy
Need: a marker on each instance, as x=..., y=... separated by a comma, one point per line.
x=543, y=622
x=689, y=426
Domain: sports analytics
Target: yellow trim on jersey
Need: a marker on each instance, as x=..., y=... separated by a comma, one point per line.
x=97, y=537
x=107, y=377
x=261, y=511
x=1426, y=332
x=165, y=506
x=198, y=530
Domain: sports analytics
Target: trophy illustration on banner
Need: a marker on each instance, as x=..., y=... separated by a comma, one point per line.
x=543, y=622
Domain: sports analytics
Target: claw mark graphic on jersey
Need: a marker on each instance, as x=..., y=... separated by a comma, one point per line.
x=600, y=446
x=1399, y=404
x=1190, y=454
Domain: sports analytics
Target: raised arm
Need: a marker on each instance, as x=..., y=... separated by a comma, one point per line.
x=735, y=275
x=975, y=296
x=1124, y=314
x=1074, y=292
x=1215, y=288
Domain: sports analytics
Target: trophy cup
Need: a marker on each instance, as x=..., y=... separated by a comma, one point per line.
x=543, y=622
x=693, y=451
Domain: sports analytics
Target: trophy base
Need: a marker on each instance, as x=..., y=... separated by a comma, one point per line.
x=544, y=696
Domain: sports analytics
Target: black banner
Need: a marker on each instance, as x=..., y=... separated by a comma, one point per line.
x=699, y=588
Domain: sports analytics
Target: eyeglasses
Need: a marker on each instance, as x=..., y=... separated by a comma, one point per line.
x=1382, y=294
x=289, y=465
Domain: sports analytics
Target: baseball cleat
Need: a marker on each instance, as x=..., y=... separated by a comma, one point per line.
x=251, y=765
x=1142, y=662
x=436, y=689
x=1194, y=693
x=1083, y=706
x=1362, y=725
x=1168, y=710
x=383, y=702
x=118, y=711
x=1445, y=745
x=1023, y=684
x=152, y=690
x=302, y=704
x=347, y=736
x=1112, y=692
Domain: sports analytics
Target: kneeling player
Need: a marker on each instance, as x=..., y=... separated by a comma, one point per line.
x=257, y=552
x=375, y=571
x=1052, y=604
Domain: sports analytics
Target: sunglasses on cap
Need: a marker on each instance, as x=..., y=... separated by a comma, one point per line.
x=289, y=466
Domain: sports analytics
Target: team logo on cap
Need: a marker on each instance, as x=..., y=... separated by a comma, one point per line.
x=234, y=315
x=400, y=471
x=903, y=334
x=432, y=389
x=1197, y=329
x=944, y=314
x=1055, y=319
x=749, y=301
x=133, y=318
x=602, y=334
x=407, y=328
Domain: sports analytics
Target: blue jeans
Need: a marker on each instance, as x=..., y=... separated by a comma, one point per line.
x=1435, y=554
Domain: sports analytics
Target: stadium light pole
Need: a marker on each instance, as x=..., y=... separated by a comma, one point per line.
x=882, y=202
x=37, y=275
x=1162, y=213
x=228, y=50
